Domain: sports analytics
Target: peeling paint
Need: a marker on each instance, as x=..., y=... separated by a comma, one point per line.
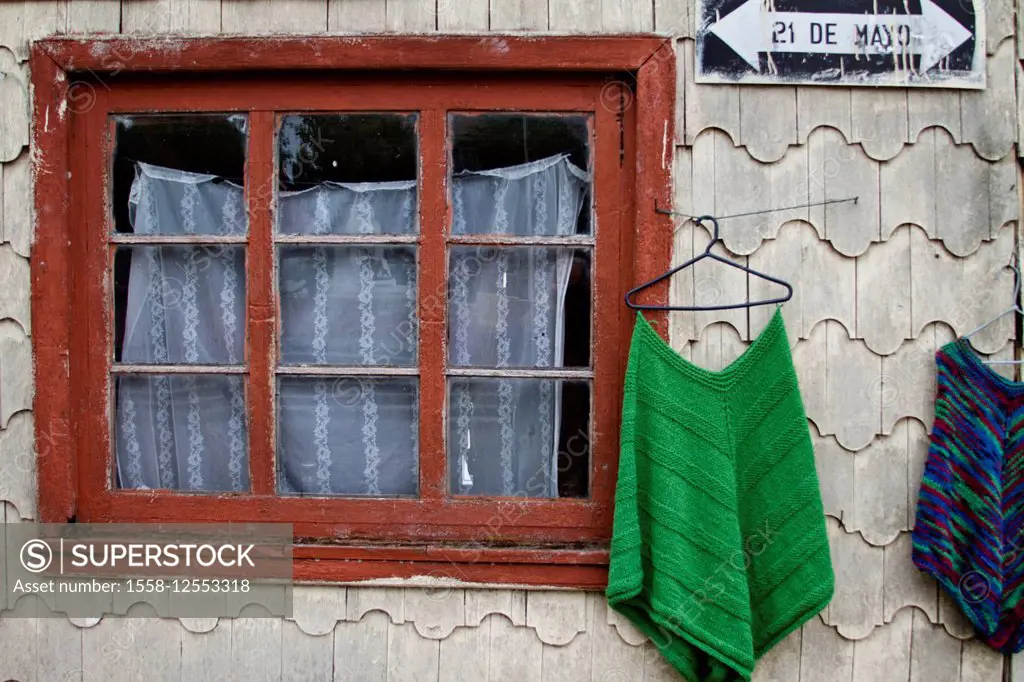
x=431, y=581
x=499, y=45
x=665, y=147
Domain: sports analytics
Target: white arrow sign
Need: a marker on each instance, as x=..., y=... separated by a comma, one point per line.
x=933, y=34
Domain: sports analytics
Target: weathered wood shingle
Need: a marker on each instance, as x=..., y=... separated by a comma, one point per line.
x=904, y=586
x=880, y=122
x=867, y=490
x=14, y=288
x=15, y=209
x=927, y=108
x=22, y=22
x=885, y=654
x=316, y=610
x=462, y=15
x=884, y=294
x=840, y=379
x=519, y=15
x=93, y=16
x=355, y=16
x=987, y=116
x=14, y=114
x=818, y=107
x=935, y=656
x=360, y=649
x=305, y=656
x=170, y=16
x=15, y=371
x=856, y=607
x=436, y=612
x=276, y=16
x=411, y=16
x=18, y=465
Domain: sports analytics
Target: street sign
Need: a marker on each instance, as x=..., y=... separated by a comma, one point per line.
x=927, y=43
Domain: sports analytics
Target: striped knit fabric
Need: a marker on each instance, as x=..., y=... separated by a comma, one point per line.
x=969, y=533
x=720, y=548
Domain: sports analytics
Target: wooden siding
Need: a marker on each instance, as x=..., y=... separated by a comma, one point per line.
x=880, y=284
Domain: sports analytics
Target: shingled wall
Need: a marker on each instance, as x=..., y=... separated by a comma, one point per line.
x=880, y=284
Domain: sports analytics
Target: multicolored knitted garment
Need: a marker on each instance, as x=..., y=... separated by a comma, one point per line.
x=720, y=547
x=969, y=533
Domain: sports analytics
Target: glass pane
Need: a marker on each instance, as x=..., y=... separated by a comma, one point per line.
x=348, y=436
x=180, y=173
x=179, y=304
x=348, y=305
x=518, y=437
x=519, y=307
x=182, y=432
x=348, y=174
x=520, y=174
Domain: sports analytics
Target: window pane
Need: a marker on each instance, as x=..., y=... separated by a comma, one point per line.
x=179, y=304
x=348, y=305
x=348, y=174
x=180, y=173
x=348, y=436
x=182, y=432
x=518, y=437
x=519, y=307
x=520, y=174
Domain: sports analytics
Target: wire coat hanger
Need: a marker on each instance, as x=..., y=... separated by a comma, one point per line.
x=715, y=238
x=1015, y=308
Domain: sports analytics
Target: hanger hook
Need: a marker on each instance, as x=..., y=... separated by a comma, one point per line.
x=715, y=237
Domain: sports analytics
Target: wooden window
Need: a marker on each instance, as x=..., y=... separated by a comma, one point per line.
x=384, y=307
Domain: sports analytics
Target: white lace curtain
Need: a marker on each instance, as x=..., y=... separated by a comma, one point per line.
x=507, y=309
x=346, y=305
x=184, y=305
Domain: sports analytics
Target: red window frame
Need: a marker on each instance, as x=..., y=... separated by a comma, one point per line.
x=628, y=83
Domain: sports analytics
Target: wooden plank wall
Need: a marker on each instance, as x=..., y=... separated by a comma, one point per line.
x=880, y=284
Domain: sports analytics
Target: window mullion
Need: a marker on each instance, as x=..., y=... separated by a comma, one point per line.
x=612, y=321
x=433, y=294
x=96, y=466
x=260, y=179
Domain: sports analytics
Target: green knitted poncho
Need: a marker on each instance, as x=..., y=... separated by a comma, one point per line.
x=720, y=547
